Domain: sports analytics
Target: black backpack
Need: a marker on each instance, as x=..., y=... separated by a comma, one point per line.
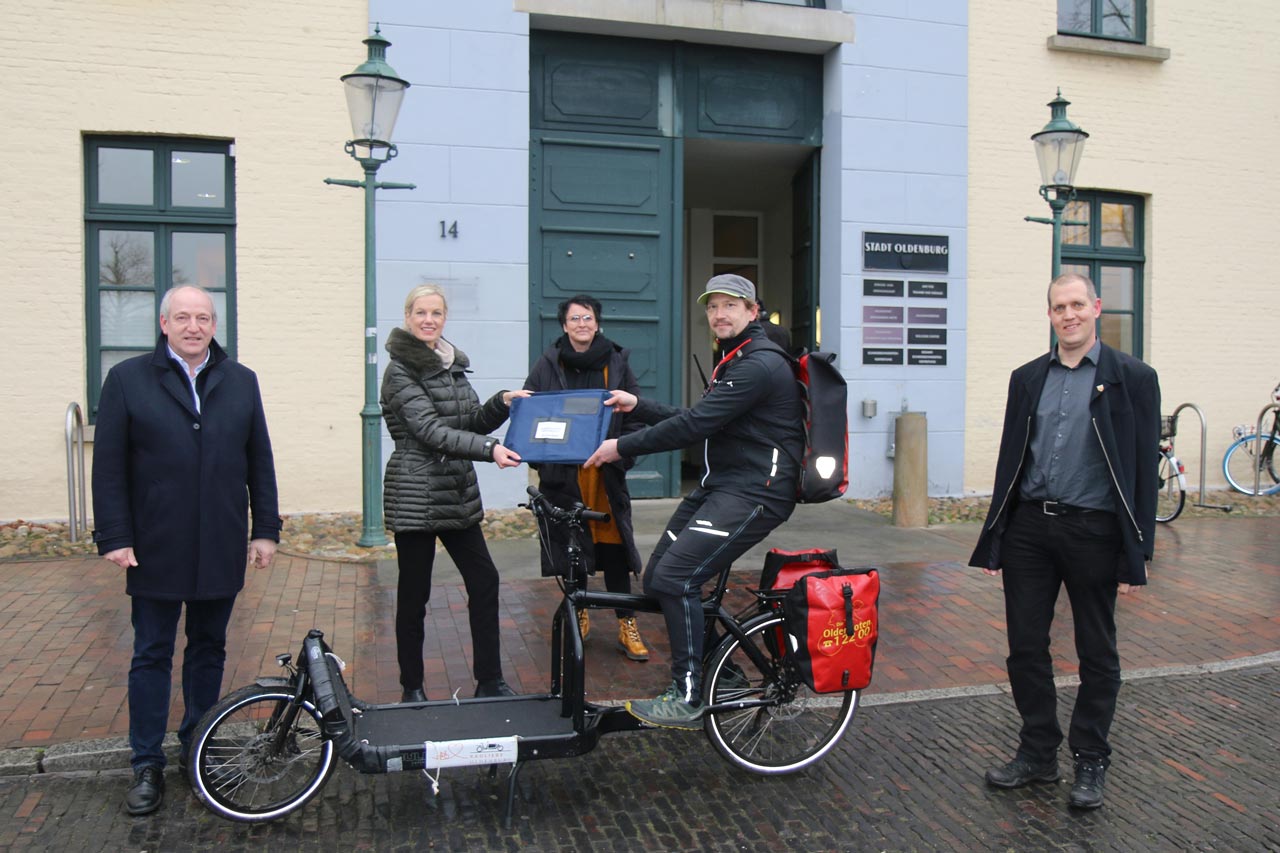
x=824, y=467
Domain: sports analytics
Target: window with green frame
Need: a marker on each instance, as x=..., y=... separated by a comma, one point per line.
x=1109, y=250
x=1122, y=20
x=159, y=212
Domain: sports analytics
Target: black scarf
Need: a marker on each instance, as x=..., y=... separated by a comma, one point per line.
x=595, y=358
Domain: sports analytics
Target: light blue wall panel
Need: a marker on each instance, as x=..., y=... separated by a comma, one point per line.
x=904, y=162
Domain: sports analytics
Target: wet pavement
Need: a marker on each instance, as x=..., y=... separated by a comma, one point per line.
x=1195, y=737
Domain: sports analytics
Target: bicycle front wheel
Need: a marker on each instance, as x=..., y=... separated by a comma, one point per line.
x=795, y=728
x=1172, y=495
x=257, y=756
x=1241, y=463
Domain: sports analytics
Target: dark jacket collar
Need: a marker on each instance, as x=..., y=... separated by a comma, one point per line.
x=419, y=357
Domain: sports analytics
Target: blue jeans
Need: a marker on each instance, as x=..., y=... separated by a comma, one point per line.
x=155, y=630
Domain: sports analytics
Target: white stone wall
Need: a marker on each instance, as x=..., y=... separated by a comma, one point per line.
x=263, y=76
x=1195, y=136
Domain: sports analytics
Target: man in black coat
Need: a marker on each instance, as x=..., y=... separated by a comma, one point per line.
x=1074, y=505
x=181, y=452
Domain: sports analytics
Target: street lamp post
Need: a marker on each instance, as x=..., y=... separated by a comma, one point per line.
x=374, y=93
x=1058, y=148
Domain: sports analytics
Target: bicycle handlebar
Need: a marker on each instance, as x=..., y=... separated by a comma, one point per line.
x=575, y=515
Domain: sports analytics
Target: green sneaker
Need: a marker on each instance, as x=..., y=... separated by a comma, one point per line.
x=668, y=711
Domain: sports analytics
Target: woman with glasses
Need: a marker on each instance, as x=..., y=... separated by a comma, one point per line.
x=584, y=358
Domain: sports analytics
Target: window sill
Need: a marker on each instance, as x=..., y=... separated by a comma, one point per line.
x=1106, y=47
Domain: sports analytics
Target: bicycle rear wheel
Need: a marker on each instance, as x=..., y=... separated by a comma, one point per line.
x=1241, y=463
x=1172, y=496
x=795, y=729
x=256, y=756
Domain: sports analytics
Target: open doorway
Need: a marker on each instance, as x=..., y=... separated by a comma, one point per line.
x=747, y=210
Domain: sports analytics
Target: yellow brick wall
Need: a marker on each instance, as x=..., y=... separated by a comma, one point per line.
x=264, y=75
x=1196, y=135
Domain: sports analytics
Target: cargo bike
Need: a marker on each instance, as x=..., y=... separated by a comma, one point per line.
x=265, y=750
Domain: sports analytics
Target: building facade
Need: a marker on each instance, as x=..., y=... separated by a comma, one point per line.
x=866, y=162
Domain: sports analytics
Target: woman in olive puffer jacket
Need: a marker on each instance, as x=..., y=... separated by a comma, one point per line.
x=439, y=427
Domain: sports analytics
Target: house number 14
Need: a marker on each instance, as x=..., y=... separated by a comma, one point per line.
x=448, y=230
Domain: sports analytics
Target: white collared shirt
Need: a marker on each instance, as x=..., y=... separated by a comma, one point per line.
x=191, y=377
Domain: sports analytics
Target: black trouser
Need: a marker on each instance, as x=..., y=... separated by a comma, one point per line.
x=1041, y=553
x=416, y=554
x=611, y=561
x=707, y=532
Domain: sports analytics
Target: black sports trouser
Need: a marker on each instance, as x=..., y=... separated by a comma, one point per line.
x=416, y=554
x=707, y=532
x=1041, y=554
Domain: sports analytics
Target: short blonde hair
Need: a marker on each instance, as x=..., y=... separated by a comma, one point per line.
x=419, y=292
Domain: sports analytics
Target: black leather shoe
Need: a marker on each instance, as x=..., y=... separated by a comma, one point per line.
x=1091, y=777
x=1022, y=771
x=413, y=696
x=147, y=791
x=493, y=687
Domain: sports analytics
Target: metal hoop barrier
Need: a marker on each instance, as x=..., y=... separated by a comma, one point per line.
x=77, y=523
x=1204, y=439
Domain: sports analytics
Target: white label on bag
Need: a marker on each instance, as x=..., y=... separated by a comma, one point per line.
x=550, y=431
x=472, y=751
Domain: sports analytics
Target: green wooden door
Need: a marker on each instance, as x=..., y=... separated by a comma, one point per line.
x=601, y=224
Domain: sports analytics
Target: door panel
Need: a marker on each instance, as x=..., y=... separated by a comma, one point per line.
x=600, y=211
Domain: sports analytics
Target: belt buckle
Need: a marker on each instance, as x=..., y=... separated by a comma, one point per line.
x=1045, y=507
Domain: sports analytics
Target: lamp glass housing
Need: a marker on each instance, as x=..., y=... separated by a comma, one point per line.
x=1058, y=152
x=374, y=104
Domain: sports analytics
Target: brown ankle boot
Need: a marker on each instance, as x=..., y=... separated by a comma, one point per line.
x=629, y=642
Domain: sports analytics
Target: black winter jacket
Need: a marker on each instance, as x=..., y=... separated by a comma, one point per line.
x=560, y=482
x=439, y=427
x=176, y=485
x=750, y=420
x=1124, y=412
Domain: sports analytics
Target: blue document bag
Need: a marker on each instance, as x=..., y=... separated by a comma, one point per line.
x=558, y=426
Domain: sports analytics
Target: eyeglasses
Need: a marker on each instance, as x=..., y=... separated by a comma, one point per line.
x=581, y=318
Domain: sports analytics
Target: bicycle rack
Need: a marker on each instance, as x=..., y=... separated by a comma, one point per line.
x=1257, y=474
x=75, y=473
x=1204, y=449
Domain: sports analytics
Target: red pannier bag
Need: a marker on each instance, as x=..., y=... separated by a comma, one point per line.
x=783, y=568
x=832, y=625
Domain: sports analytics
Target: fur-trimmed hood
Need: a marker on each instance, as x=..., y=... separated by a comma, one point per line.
x=419, y=357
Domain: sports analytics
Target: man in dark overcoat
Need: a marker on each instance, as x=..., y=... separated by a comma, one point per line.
x=181, y=454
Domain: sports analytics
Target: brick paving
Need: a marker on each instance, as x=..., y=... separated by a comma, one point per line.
x=1194, y=770
x=65, y=638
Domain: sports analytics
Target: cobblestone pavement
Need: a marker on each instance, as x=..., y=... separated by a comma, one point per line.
x=1194, y=769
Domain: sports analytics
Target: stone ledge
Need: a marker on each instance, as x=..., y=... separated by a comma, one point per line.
x=1107, y=47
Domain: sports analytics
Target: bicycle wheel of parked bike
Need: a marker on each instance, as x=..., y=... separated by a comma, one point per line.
x=257, y=756
x=1172, y=495
x=1241, y=463
x=787, y=726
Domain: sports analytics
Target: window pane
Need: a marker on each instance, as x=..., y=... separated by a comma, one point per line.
x=748, y=271
x=734, y=237
x=1117, y=225
x=126, y=176
x=1076, y=235
x=113, y=357
x=1116, y=330
x=1074, y=16
x=126, y=258
x=127, y=318
x=199, y=179
x=220, y=306
x=1117, y=18
x=199, y=258
x=1116, y=288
